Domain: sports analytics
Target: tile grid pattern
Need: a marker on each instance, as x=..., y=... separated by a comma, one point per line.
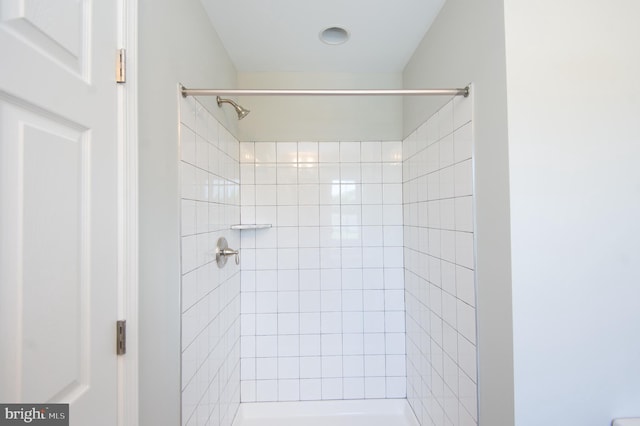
x=210, y=297
x=322, y=291
x=439, y=268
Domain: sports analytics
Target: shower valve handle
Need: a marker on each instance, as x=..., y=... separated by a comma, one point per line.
x=231, y=252
x=223, y=252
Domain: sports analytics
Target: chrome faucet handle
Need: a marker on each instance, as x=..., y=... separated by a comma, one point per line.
x=223, y=252
x=230, y=252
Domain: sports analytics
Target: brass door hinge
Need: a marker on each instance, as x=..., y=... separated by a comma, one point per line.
x=121, y=337
x=121, y=66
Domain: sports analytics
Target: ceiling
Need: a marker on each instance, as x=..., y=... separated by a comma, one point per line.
x=283, y=35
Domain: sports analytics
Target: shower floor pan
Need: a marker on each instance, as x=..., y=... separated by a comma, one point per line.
x=372, y=412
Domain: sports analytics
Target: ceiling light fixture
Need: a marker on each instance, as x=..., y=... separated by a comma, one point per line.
x=334, y=35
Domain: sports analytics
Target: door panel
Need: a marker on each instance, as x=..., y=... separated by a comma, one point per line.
x=56, y=29
x=58, y=206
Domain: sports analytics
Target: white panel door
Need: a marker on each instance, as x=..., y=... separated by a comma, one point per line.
x=58, y=206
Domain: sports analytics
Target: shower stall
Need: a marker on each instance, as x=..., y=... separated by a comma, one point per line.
x=354, y=296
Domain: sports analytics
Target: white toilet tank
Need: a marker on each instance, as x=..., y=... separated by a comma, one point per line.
x=627, y=422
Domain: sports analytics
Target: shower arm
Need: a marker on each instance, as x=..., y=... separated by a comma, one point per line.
x=322, y=92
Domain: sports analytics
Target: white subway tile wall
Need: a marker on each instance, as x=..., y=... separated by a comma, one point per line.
x=322, y=290
x=210, y=296
x=439, y=267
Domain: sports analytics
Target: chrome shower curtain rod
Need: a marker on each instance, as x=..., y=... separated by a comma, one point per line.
x=322, y=92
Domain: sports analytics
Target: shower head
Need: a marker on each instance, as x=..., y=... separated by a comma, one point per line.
x=242, y=112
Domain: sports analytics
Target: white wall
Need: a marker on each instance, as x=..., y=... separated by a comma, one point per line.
x=322, y=290
x=176, y=44
x=210, y=296
x=440, y=267
x=308, y=284
x=321, y=118
x=574, y=144
x=464, y=45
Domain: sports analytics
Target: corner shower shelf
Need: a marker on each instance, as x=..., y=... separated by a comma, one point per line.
x=251, y=226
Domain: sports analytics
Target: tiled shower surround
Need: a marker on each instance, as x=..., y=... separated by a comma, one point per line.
x=210, y=296
x=439, y=268
x=322, y=290
x=367, y=240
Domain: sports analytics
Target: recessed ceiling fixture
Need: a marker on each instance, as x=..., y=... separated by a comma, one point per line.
x=334, y=35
